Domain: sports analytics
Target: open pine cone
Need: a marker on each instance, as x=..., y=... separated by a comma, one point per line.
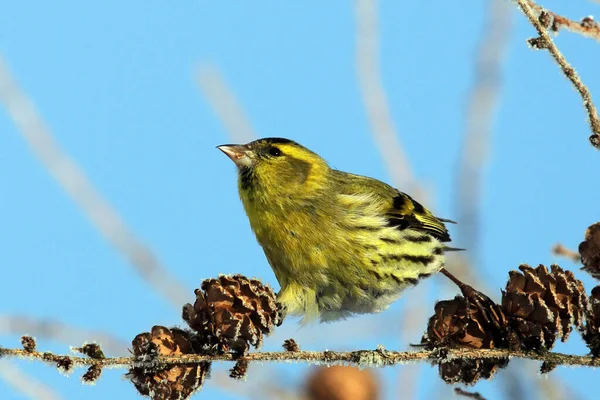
x=543, y=305
x=589, y=250
x=458, y=323
x=174, y=382
x=538, y=307
x=233, y=312
x=591, y=335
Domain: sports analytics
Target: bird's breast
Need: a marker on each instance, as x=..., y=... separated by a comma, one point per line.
x=294, y=239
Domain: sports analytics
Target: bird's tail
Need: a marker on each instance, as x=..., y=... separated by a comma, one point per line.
x=446, y=248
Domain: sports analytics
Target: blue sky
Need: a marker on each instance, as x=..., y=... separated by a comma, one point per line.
x=115, y=82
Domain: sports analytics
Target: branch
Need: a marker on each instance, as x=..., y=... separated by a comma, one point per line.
x=470, y=395
x=361, y=358
x=386, y=138
x=482, y=104
x=60, y=332
x=560, y=250
x=544, y=41
x=224, y=103
x=375, y=99
x=586, y=27
x=80, y=189
x=25, y=384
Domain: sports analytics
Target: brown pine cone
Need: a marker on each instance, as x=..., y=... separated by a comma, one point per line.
x=591, y=335
x=543, y=306
x=175, y=382
x=233, y=312
x=469, y=372
x=589, y=250
x=458, y=323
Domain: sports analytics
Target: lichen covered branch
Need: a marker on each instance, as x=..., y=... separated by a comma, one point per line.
x=544, y=41
x=468, y=338
x=363, y=358
x=587, y=26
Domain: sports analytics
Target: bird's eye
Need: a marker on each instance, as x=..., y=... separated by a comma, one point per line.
x=274, y=151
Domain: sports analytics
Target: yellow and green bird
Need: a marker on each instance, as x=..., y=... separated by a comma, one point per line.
x=339, y=243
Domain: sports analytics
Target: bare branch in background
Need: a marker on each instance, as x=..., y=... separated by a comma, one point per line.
x=59, y=332
x=375, y=99
x=545, y=42
x=224, y=103
x=587, y=26
x=385, y=135
x=25, y=384
x=560, y=250
x=469, y=395
x=77, y=185
x=481, y=108
x=482, y=105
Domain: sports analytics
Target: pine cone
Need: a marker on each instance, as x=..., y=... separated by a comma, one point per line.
x=591, y=335
x=469, y=372
x=176, y=382
x=453, y=325
x=458, y=323
x=543, y=306
x=233, y=312
x=589, y=250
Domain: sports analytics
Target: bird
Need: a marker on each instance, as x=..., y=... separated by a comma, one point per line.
x=339, y=244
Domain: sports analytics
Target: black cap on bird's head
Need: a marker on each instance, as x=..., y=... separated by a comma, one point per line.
x=245, y=155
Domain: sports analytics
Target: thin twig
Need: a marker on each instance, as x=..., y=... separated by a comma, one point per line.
x=375, y=99
x=470, y=395
x=568, y=70
x=78, y=186
x=225, y=104
x=386, y=139
x=25, y=384
x=587, y=26
x=482, y=103
x=560, y=250
x=361, y=358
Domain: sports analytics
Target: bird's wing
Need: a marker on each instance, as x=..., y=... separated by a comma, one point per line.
x=400, y=210
x=406, y=213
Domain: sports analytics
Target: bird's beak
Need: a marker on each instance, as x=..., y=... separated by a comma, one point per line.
x=240, y=154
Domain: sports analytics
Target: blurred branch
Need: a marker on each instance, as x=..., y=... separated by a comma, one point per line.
x=545, y=42
x=25, y=384
x=361, y=358
x=73, y=180
x=224, y=103
x=586, y=27
x=482, y=104
x=60, y=332
x=560, y=250
x=386, y=138
x=469, y=395
x=374, y=96
x=481, y=107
